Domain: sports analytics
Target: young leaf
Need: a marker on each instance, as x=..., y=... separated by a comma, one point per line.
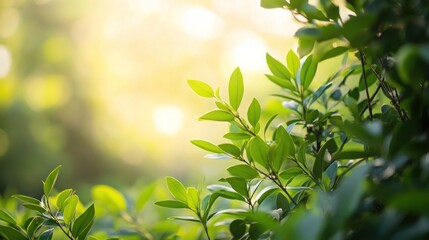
x=218, y=115
x=193, y=199
x=243, y=171
x=284, y=83
x=231, y=149
x=254, y=112
x=293, y=62
x=177, y=189
x=83, y=223
x=6, y=217
x=109, y=198
x=236, y=88
x=171, y=204
x=277, y=68
x=145, y=195
x=207, y=146
x=62, y=196
x=308, y=71
x=201, y=88
x=70, y=208
x=50, y=181
x=237, y=136
x=258, y=149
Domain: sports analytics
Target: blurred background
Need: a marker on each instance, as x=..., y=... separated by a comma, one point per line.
x=100, y=86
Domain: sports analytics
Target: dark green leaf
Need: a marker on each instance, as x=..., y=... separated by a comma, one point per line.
x=351, y=155
x=238, y=184
x=176, y=189
x=47, y=235
x=201, y=88
x=225, y=192
x=319, y=92
x=34, y=225
x=243, y=171
x=50, y=181
x=290, y=173
x=171, y=204
x=11, y=233
x=305, y=45
x=237, y=228
x=273, y=3
x=207, y=207
x=331, y=174
x=207, y=146
x=236, y=88
x=320, y=161
x=333, y=53
x=27, y=199
x=83, y=223
x=267, y=125
x=185, y=218
x=254, y=112
x=34, y=207
x=266, y=192
x=218, y=115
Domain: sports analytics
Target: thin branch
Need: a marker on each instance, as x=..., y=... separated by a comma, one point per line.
x=366, y=85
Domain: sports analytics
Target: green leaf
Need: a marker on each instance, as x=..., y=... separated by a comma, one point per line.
x=34, y=225
x=254, y=112
x=305, y=45
x=284, y=138
x=83, y=223
x=230, y=149
x=62, y=196
x=193, y=198
x=218, y=115
x=277, y=68
x=238, y=184
x=207, y=146
x=186, y=218
x=267, y=125
x=34, y=207
x=47, y=235
x=333, y=53
x=320, y=162
x=70, y=208
x=293, y=62
x=351, y=155
x=50, y=181
x=145, y=195
x=11, y=233
x=284, y=83
x=308, y=71
x=273, y=3
x=290, y=173
x=319, y=92
x=258, y=149
x=177, y=189
x=109, y=198
x=301, y=153
x=266, y=192
x=208, y=202
x=243, y=171
x=171, y=204
x=237, y=228
x=6, y=217
x=225, y=192
x=330, y=174
x=236, y=88
x=201, y=88
x=237, y=136
x=27, y=199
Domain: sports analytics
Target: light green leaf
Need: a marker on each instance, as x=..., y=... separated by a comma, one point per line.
x=109, y=198
x=231, y=149
x=70, y=208
x=290, y=173
x=50, y=181
x=83, y=223
x=293, y=62
x=185, y=218
x=218, y=115
x=237, y=136
x=34, y=207
x=254, y=112
x=201, y=88
x=277, y=68
x=6, y=217
x=62, y=196
x=243, y=171
x=145, y=195
x=207, y=146
x=273, y=3
x=308, y=71
x=238, y=184
x=171, y=204
x=284, y=83
x=177, y=189
x=258, y=149
x=193, y=198
x=351, y=155
x=236, y=88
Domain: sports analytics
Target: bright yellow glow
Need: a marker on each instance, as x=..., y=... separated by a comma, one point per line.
x=168, y=119
x=5, y=61
x=200, y=22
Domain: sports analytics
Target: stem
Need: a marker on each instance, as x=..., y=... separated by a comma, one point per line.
x=366, y=85
x=56, y=220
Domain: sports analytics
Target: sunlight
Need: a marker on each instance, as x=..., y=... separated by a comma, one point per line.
x=168, y=119
x=198, y=21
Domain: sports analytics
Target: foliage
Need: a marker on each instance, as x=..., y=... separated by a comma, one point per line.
x=348, y=162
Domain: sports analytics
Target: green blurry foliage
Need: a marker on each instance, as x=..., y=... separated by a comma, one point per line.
x=350, y=160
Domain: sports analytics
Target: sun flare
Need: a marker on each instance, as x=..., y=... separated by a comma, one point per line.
x=168, y=119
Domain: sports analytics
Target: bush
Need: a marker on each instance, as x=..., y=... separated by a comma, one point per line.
x=350, y=161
